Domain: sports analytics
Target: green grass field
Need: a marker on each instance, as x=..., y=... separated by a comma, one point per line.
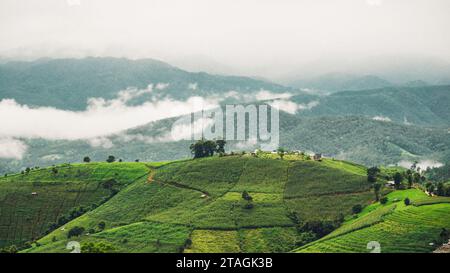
x=395, y=226
x=197, y=206
x=204, y=198
x=30, y=202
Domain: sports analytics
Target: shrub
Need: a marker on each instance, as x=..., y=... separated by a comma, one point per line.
x=10, y=249
x=249, y=205
x=108, y=184
x=76, y=212
x=372, y=174
x=75, y=231
x=246, y=196
x=111, y=159
x=407, y=201
x=187, y=243
x=341, y=218
x=305, y=238
x=96, y=247
x=383, y=200
x=356, y=209
x=398, y=177
x=444, y=236
x=294, y=217
x=62, y=220
x=319, y=228
x=102, y=225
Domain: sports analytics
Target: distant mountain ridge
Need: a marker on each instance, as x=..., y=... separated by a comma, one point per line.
x=68, y=83
x=334, y=82
x=423, y=105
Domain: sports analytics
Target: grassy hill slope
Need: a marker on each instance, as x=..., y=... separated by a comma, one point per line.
x=31, y=202
x=197, y=206
x=397, y=227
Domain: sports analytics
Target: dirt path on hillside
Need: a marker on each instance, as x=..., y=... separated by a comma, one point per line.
x=182, y=186
x=150, y=177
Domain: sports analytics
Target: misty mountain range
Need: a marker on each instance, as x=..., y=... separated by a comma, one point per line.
x=68, y=83
x=365, y=118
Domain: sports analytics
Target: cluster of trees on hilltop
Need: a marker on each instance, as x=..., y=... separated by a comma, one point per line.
x=205, y=148
x=402, y=179
x=434, y=181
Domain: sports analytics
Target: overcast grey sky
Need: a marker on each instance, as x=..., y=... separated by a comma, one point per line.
x=248, y=34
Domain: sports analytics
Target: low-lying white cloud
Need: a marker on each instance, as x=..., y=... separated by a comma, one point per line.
x=104, y=121
x=246, y=145
x=261, y=95
x=292, y=107
x=193, y=86
x=51, y=157
x=161, y=86
x=100, y=142
x=422, y=164
x=12, y=148
x=101, y=117
x=382, y=118
x=180, y=130
x=267, y=95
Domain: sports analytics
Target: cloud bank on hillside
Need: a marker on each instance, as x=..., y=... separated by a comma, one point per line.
x=102, y=117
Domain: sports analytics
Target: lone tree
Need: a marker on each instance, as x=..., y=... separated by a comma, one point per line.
x=430, y=187
x=221, y=145
x=356, y=209
x=281, y=152
x=111, y=159
x=407, y=201
x=398, y=180
x=440, y=189
x=75, y=231
x=372, y=174
x=416, y=177
x=246, y=196
x=86, y=159
x=376, y=189
x=101, y=225
x=444, y=236
x=409, y=176
x=197, y=149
